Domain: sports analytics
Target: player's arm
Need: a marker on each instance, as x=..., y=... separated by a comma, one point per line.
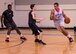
x=2, y=18
x=12, y=16
x=64, y=15
x=52, y=16
x=34, y=16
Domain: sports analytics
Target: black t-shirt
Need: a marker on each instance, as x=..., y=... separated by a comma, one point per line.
x=31, y=20
x=8, y=14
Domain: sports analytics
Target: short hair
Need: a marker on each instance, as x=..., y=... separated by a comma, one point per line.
x=56, y=3
x=32, y=5
x=9, y=5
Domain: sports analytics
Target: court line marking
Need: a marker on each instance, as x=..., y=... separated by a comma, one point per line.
x=22, y=41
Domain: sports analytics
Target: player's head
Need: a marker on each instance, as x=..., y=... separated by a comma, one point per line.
x=9, y=6
x=56, y=5
x=32, y=6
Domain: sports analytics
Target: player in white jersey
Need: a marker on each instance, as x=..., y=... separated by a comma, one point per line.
x=58, y=15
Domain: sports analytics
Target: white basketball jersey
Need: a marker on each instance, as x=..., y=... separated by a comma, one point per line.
x=58, y=15
x=59, y=18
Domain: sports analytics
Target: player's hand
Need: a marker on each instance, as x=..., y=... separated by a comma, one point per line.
x=51, y=18
x=39, y=20
x=55, y=18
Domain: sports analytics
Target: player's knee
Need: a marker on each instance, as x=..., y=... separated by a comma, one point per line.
x=10, y=28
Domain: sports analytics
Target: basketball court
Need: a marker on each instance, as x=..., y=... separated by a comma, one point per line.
x=57, y=43
x=50, y=14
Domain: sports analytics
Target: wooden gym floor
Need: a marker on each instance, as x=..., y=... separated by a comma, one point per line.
x=57, y=43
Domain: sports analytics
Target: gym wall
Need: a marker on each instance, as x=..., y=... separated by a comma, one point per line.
x=21, y=10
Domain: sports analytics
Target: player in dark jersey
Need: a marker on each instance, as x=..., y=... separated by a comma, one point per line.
x=7, y=19
x=32, y=24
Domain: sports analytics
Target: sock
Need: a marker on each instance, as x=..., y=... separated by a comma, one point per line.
x=70, y=36
x=21, y=35
x=8, y=36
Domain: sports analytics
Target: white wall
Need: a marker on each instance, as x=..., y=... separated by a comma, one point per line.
x=21, y=14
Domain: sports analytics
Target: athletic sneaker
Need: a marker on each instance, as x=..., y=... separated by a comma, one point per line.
x=23, y=38
x=40, y=41
x=71, y=40
x=7, y=39
x=37, y=40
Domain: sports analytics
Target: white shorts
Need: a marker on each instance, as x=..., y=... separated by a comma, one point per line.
x=59, y=23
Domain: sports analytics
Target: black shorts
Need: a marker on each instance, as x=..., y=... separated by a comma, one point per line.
x=12, y=25
x=35, y=29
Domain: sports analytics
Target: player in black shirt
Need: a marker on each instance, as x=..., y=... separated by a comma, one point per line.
x=32, y=24
x=7, y=19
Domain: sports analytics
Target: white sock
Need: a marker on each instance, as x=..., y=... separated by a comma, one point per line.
x=21, y=35
x=8, y=36
x=69, y=35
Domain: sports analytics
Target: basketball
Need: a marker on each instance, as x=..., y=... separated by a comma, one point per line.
x=67, y=20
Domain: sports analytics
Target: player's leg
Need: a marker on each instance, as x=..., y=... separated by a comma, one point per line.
x=8, y=34
x=8, y=26
x=33, y=29
x=66, y=34
x=38, y=33
x=60, y=26
x=18, y=32
x=61, y=29
x=39, y=30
